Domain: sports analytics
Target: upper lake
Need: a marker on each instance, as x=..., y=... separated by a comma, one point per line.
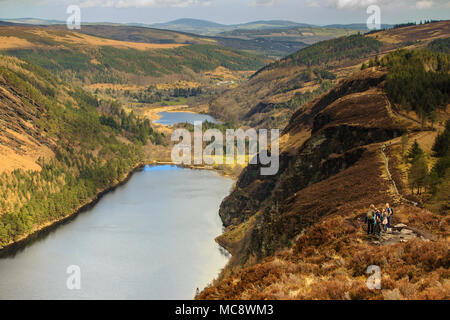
x=171, y=118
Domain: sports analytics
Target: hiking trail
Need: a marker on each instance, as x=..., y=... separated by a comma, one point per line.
x=400, y=233
x=386, y=164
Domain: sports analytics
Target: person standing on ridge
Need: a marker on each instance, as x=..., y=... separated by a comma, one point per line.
x=369, y=219
x=377, y=223
x=384, y=219
x=390, y=213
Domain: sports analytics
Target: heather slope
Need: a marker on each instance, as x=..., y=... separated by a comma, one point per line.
x=300, y=234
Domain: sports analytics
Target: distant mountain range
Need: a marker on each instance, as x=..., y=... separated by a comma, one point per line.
x=195, y=23
x=356, y=26
x=205, y=27
x=34, y=21
x=273, y=39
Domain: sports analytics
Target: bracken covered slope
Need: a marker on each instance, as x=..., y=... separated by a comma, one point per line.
x=21, y=141
x=299, y=234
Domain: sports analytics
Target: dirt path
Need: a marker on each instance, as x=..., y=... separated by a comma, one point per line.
x=386, y=164
x=400, y=233
x=397, y=141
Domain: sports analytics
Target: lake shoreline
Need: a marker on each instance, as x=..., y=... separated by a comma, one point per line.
x=222, y=172
x=127, y=229
x=14, y=246
x=50, y=225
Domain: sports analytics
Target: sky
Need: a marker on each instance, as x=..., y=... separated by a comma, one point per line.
x=320, y=12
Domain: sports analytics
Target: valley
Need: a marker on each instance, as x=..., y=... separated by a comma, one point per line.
x=363, y=119
x=79, y=112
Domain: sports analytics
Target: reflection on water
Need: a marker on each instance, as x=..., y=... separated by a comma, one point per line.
x=152, y=238
x=171, y=118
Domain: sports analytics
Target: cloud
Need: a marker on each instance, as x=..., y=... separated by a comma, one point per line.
x=143, y=3
x=313, y=3
x=424, y=4
x=342, y=4
x=351, y=4
x=265, y=3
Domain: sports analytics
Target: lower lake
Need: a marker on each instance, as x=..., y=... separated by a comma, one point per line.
x=151, y=238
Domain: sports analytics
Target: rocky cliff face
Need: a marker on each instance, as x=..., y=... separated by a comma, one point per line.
x=344, y=129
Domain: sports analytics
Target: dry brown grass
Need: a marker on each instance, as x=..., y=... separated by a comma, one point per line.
x=77, y=39
x=329, y=261
x=21, y=142
x=223, y=74
x=10, y=159
x=426, y=32
x=87, y=40
x=7, y=43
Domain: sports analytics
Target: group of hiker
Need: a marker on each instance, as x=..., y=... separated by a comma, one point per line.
x=378, y=220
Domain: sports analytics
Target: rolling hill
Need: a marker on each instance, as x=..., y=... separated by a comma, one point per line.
x=90, y=59
x=272, y=95
x=204, y=27
x=273, y=39
x=304, y=34
x=261, y=46
x=33, y=21
x=356, y=26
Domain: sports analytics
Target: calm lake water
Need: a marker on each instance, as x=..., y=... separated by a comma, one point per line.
x=152, y=238
x=171, y=118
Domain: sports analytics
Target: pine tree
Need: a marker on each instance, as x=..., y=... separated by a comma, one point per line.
x=442, y=143
x=418, y=173
x=414, y=152
x=404, y=142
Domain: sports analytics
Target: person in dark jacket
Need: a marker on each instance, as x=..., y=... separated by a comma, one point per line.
x=370, y=219
x=377, y=227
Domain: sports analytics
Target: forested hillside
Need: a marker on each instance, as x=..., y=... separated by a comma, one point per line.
x=58, y=151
